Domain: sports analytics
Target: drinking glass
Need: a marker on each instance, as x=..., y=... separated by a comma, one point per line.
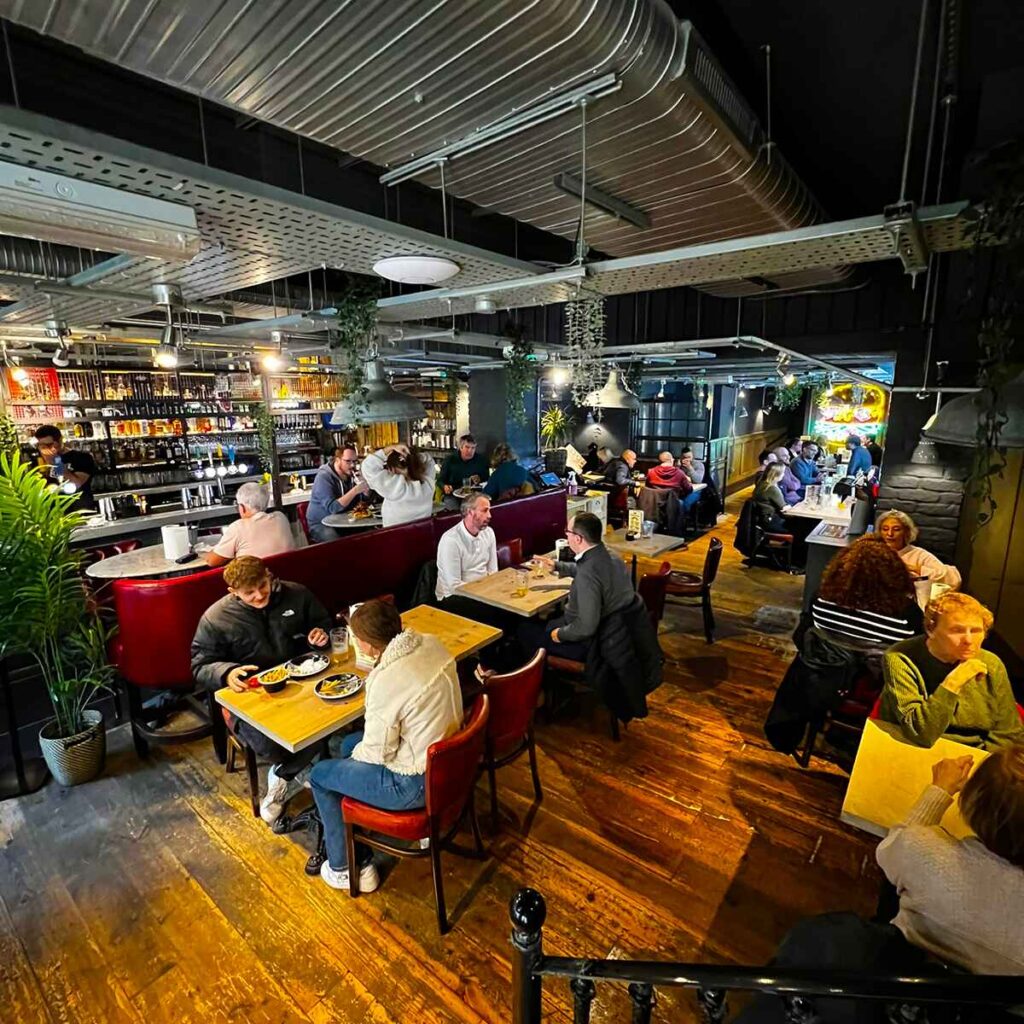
x=522, y=584
x=648, y=528
x=814, y=495
x=339, y=644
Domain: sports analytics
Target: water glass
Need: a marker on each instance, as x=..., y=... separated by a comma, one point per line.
x=814, y=496
x=339, y=643
x=648, y=528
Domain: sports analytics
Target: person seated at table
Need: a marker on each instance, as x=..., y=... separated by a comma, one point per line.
x=261, y=622
x=692, y=467
x=795, y=446
x=805, y=468
x=592, y=461
x=463, y=464
x=866, y=597
x=255, y=532
x=68, y=468
x=335, y=490
x=667, y=475
x=618, y=469
x=404, y=478
x=860, y=460
x=601, y=585
x=466, y=552
x=963, y=899
x=764, y=460
x=412, y=700
x=944, y=684
x=768, y=499
x=792, y=489
x=899, y=531
x=508, y=478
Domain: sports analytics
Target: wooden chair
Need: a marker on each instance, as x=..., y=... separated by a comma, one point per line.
x=452, y=767
x=513, y=698
x=689, y=584
x=510, y=553
x=653, y=588
x=237, y=746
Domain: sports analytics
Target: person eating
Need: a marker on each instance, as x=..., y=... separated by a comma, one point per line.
x=618, y=469
x=462, y=465
x=68, y=469
x=509, y=479
x=261, y=622
x=404, y=478
x=412, y=701
x=899, y=532
x=944, y=684
x=255, y=532
x=335, y=489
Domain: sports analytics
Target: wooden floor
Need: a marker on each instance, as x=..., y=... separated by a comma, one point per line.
x=152, y=894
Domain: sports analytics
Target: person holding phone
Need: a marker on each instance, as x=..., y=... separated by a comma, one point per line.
x=66, y=467
x=944, y=684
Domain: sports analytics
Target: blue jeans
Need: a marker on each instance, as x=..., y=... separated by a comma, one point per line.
x=369, y=783
x=319, y=534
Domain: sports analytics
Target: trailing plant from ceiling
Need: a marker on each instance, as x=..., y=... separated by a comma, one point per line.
x=584, y=337
x=632, y=376
x=264, y=420
x=352, y=336
x=520, y=371
x=555, y=426
x=1001, y=218
x=788, y=396
x=9, y=443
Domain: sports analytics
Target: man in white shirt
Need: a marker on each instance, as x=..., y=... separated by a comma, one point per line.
x=467, y=551
x=256, y=532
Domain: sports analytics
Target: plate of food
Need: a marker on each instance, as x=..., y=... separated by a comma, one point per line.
x=338, y=687
x=307, y=665
x=363, y=512
x=273, y=679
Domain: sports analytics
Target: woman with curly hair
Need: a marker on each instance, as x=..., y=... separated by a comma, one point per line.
x=866, y=595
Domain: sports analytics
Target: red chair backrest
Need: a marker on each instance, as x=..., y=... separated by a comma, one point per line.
x=510, y=553
x=513, y=698
x=652, y=589
x=300, y=510
x=452, y=767
x=712, y=561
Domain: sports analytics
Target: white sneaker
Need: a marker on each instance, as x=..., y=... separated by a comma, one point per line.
x=425, y=843
x=272, y=805
x=368, y=877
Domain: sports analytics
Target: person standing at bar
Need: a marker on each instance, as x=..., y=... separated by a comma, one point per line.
x=335, y=489
x=70, y=470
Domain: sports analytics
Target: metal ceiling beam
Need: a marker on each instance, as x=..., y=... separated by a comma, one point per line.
x=833, y=367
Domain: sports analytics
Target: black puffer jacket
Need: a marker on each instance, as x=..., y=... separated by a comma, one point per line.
x=230, y=633
x=624, y=661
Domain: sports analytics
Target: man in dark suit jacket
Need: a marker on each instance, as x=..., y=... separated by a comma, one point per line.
x=601, y=585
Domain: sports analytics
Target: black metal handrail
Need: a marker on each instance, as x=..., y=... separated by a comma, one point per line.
x=798, y=987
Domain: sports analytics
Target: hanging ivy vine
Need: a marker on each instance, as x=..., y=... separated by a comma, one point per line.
x=352, y=336
x=520, y=371
x=584, y=336
x=633, y=377
x=788, y=396
x=264, y=420
x=1001, y=217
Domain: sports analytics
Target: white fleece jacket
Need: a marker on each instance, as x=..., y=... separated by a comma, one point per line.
x=412, y=700
x=404, y=500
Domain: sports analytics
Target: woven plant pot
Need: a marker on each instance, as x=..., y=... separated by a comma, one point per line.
x=79, y=758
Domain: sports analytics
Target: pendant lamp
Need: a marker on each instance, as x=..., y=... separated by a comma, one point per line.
x=957, y=421
x=612, y=396
x=380, y=404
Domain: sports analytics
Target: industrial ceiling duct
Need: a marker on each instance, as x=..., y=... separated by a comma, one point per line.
x=380, y=403
x=612, y=395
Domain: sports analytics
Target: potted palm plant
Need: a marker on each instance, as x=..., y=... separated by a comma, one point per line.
x=46, y=616
x=555, y=426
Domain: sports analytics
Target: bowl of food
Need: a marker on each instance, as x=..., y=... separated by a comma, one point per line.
x=274, y=679
x=338, y=687
x=307, y=665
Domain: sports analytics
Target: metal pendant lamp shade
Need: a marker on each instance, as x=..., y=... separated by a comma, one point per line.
x=613, y=395
x=381, y=403
x=957, y=421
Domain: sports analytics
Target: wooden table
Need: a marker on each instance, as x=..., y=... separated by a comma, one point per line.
x=649, y=547
x=344, y=521
x=890, y=774
x=497, y=591
x=297, y=718
x=826, y=512
x=146, y=562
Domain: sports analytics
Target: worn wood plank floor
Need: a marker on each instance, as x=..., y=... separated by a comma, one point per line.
x=152, y=894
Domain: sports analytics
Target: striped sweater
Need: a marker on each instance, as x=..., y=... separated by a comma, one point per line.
x=865, y=627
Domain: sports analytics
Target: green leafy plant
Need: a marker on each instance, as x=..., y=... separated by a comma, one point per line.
x=1000, y=218
x=555, y=426
x=520, y=371
x=788, y=396
x=264, y=420
x=8, y=436
x=45, y=613
x=351, y=337
x=584, y=338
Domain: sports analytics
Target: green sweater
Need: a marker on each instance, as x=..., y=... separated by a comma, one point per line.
x=982, y=714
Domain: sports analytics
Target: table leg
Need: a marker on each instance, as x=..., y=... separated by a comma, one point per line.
x=634, y=570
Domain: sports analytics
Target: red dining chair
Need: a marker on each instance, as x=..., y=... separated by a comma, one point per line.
x=301, y=510
x=452, y=767
x=513, y=698
x=689, y=584
x=652, y=588
x=510, y=553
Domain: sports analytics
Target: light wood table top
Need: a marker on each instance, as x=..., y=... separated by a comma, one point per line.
x=827, y=513
x=889, y=775
x=498, y=588
x=296, y=717
x=643, y=547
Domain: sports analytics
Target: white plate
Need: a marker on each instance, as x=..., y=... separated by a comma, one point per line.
x=307, y=665
x=355, y=684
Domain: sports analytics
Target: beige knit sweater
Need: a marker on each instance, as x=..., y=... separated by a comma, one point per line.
x=957, y=899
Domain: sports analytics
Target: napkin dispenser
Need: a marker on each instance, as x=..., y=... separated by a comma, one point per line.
x=176, y=542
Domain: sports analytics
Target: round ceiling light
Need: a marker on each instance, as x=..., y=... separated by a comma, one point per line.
x=416, y=269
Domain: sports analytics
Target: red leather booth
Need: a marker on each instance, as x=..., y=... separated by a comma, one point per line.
x=158, y=618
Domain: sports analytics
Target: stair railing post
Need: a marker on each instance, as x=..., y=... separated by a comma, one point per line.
x=527, y=912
